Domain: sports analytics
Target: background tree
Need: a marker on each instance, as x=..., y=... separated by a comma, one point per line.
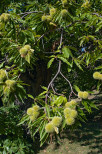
x=56, y=45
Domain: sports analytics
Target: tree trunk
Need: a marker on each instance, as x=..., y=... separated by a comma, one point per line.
x=41, y=76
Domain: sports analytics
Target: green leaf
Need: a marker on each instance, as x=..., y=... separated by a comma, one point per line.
x=65, y=52
x=63, y=124
x=47, y=110
x=99, y=67
x=76, y=88
x=36, y=122
x=42, y=129
x=82, y=41
x=87, y=59
x=24, y=118
x=76, y=62
x=27, y=58
x=98, y=86
x=50, y=62
x=45, y=88
x=38, y=128
x=64, y=60
x=2, y=64
x=59, y=100
x=72, y=48
x=30, y=96
x=87, y=107
x=43, y=93
x=93, y=105
x=69, y=69
x=44, y=138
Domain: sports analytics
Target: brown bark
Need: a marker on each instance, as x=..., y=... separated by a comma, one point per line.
x=39, y=77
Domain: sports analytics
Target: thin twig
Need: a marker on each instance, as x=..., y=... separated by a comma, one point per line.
x=97, y=15
x=55, y=91
x=53, y=81
x=61, y=38
x=27, y=13
x=24, y=16
x=18, y=76
x=59, y=69
x=43, y=43
x=72, y=92
x=40, y=37
x=9, y=69
x=30, y=12
x=50, y=98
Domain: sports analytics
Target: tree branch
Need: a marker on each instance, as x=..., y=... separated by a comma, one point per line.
x=97, y=15
x=59, y=69
x=30, y=12
x=55, y=91
x=72, y=92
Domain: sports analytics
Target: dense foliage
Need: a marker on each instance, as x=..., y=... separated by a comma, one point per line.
x=49, y=51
